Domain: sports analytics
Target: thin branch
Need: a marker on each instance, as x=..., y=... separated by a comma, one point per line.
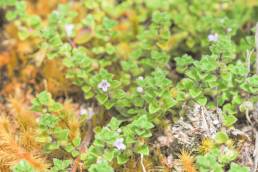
x=256, y=132
x=248, y=117
x=143, y=167
x=84, y=145
x=248, y=61
x=204, y=124
x=256, y=152
x=256, y=46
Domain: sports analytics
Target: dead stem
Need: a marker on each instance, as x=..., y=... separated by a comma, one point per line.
x=248, y=61
x=143, y=167
x=256, y=151
x=84, y=145
x=256, y=46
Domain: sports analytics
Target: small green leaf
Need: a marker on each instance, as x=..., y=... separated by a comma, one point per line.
x=52, y=146
x=122, y=159
x=238, y=168
x=69, y=148
x=77, y=141
x=11, y=15
x=221, y=137
x=194, y=92
x=114, y=124
x=55, y=107
x=101, y=167
x=227, y=156
x=75, y=153
x=229, y=120
x=43, y=97
x=108, y=104
x=202, y=100
x=22, y=166
x=109, y=154
x=102, y=98
x=143, y=149
x=61, y=134
x=88, y=95
x=83, y=156
x=153, y=108
x=86, y=88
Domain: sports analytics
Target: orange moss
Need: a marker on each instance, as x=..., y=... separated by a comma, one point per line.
x=187, y=161
x=11, y=151
x=54, y=73
x=71, y=119
x=19, y=109
x=4, y=58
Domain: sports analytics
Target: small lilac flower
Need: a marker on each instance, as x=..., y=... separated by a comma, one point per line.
x=87, y=111
x=69, y=29
x=139, y=89
x=119, y=144
x=90, y=112
x=104, y=85
x=83, y=111
x=213, y=37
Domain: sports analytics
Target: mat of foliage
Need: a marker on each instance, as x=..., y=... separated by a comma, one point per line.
x=128, y=85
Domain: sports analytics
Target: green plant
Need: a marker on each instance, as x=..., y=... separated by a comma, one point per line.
x=101, y=167
x=217, y=80
x=121, y=55
x=54, y=128
x=23, y=166
x=60, y=165
x=118, y=142
x=220, y=156
x=237, y=168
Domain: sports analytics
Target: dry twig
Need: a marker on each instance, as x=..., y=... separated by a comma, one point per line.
x=84, y=145
x=143, y=167
x=256, y=46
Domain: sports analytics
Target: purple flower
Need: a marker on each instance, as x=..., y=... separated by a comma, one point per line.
x=139, y=89
x=213, y=37
x=91, y=112
x=119, y=144
x=83, y=111
x=88, y=111
x=104, y=85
